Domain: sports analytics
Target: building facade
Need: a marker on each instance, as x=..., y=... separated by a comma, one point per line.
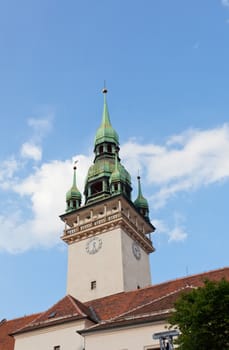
x=110, y=235
x=110, y=302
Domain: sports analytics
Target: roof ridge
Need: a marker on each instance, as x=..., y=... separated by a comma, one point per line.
x=189, y=276
x=27, y=324
x=158, y=312
x=161, y=283
x=34, y=321
x=74, y=303
x=121, y=317
x=150, y=302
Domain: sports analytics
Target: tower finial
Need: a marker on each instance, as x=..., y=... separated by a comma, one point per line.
x=74, y=166
x=141, y=203
x=139, y=185
x=73, y=196
x=104, y=91
x=105, y=132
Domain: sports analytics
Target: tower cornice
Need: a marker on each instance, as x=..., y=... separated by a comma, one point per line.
x=104, y=216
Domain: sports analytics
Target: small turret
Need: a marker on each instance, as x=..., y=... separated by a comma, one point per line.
x=73, y=196
x=141, y=203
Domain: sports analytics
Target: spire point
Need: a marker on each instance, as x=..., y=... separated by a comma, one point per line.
x=73, y=196
x=104, y=91
x=74, y=166
x=141, y=203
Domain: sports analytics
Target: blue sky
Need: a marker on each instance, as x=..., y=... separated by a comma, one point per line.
x=166, y=68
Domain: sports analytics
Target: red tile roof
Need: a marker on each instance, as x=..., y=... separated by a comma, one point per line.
x=8, y=327
x=141, y=305
x=155, y=310
x=65, y=310
x=166, y=302
x=117, y=304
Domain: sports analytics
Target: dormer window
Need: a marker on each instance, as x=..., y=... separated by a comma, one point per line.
x=52, y=314
x=96, y=187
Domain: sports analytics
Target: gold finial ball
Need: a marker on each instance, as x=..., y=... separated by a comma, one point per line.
x=104, y=91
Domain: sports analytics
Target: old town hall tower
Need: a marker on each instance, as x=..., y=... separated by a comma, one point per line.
x=108, y=237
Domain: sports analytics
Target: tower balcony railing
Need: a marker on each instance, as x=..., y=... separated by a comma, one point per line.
x=92, y=223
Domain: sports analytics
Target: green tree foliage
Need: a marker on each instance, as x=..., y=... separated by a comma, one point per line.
x=202, y=316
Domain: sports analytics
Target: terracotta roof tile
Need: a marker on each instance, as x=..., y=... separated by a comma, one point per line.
x=155, y=310
x=142, y=305
x=67, y=309
x=117, y=304
x=165, y=302
x=8, y=327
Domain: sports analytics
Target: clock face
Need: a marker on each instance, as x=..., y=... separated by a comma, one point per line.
x=93, y=245
x=136, y=250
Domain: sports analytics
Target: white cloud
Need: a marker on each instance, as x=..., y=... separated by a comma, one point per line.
x=225, y=2
x=41, y=126
x=7, y=171
x=31, y=151
x=45, y=190
x=175, y=233
x=187, y=161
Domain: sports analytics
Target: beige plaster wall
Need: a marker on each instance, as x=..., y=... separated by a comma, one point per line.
x=136, y=338
x=114, y=267
x=64, y=335
x=136, y=272
x=104, y=267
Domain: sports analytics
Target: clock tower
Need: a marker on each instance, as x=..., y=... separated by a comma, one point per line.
x=109, y=237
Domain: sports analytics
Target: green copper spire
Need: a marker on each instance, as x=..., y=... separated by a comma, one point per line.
x=141, y=203
x=106, y=133
x=73, y=196
x=107, y=176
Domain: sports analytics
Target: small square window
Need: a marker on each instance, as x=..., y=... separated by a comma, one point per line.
x=93, y=284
